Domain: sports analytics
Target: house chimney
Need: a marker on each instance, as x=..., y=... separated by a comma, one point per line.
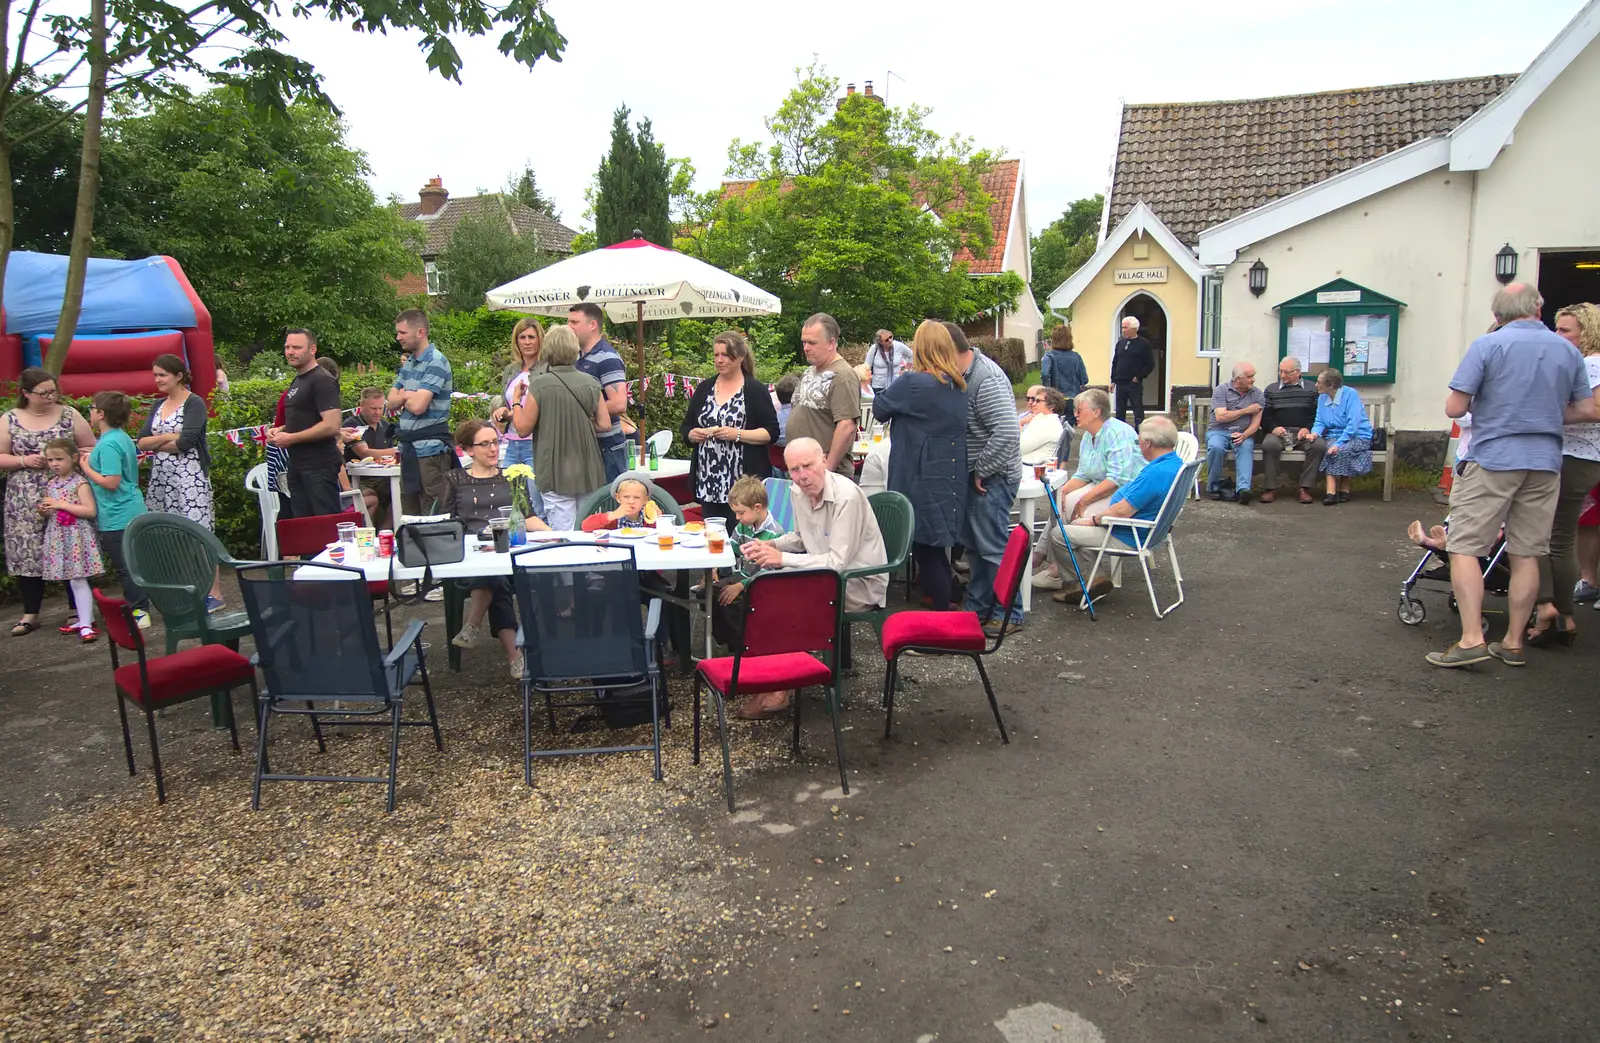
x=433, y=196
x=869, y=88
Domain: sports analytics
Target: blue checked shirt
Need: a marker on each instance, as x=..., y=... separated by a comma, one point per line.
x=1113, y=454
x=427, y=371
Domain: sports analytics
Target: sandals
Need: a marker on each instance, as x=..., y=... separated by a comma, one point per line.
x=89, y=635
x=24, y=627
x=1551, y=633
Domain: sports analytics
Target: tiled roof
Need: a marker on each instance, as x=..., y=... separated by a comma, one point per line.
x=1198, y=164
x=1000, y=181
x=552, y=235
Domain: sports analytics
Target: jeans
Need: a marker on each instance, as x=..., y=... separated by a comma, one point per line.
x=987, y=527
x=314, y=492
x=111, y=550
x=519, y=451
x=1130, y=394
x=615, y=461
x=1219, y=444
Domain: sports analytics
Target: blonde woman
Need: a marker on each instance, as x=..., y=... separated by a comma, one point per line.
x=928, y=455
x=527, y=344
x=1580, y=472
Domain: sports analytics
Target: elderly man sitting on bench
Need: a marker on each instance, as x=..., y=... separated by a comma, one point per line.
x=1141, y=498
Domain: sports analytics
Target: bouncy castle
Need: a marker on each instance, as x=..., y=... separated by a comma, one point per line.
x=132, y=312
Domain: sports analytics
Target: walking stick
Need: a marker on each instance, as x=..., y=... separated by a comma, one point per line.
x=1050, y=495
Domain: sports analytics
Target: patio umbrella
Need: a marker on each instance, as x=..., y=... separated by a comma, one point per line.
x=635, y=281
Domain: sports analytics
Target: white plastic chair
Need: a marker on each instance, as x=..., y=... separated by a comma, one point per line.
x=1148, y=537
x=661, y=441
x=1189, y=451
x=256, y=482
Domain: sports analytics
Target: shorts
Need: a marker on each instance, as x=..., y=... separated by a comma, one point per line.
x=1481, y=500
x=1590, y=518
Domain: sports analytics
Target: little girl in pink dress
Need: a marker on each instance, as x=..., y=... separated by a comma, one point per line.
x=71, y=546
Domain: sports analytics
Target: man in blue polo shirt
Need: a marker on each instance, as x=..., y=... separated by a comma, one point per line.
x=1140, y=498
x=421, y=394
x=600, y=360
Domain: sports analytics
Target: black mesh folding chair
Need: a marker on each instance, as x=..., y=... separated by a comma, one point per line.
x=581, y=631
x=317, y=646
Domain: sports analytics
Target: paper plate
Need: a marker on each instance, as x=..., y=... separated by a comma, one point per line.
x=630, y=534
x=690, y=542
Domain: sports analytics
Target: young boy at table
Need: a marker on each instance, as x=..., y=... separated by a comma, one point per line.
x=634, y=507
x=748, y=500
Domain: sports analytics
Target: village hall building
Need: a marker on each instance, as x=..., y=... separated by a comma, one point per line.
x=1364, y=229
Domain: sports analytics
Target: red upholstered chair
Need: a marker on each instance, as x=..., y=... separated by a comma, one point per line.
x=308, y=537
x=153, y=684
x=679, y=488
x=955, y=633
x=787, y=616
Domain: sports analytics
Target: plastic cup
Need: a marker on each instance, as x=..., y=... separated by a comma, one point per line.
x=336, y=553
x=347, y=532
x=716, y=535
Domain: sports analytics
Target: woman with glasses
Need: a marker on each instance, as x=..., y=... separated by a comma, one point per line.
x=1041, y=425
x=475, y=494
x=38, y=417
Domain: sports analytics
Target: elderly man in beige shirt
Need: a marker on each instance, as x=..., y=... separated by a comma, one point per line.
x=834, y=528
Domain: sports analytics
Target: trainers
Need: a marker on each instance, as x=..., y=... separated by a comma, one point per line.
x=142, y=618
x=407, y=589
x=1585, y=591
x=214, y=604
x=515, y=668
x=467, y=636
x=434, y=594
x=992, y=626
x=1042, y=580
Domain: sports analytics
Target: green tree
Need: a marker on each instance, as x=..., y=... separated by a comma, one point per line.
x=857, y=211
x=43, y=172
x=524, y=188
x=485, y=251
x=271, y=217
x=1064, y=246
x=633, y=186
x=124, y=50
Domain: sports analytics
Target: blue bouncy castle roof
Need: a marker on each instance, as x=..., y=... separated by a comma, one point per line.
x=117, y=295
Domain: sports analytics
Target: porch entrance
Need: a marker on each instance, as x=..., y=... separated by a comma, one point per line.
x=1567, y=277
x=1153, y=328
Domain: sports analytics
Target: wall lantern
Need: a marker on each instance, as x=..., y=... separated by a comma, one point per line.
x=1505, y=264
x=1258, y=278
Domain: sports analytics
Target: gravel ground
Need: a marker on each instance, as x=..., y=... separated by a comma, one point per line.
x=1264, y=817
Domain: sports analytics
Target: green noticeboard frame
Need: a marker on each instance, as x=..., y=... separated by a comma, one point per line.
x=1344, y=326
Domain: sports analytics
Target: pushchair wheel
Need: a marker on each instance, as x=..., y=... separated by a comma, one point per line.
x=1411, y=611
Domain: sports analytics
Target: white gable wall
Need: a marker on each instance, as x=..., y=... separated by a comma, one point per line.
x=1543, y=190
x=1407, y=243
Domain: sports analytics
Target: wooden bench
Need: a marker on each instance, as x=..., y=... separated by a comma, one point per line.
x=1377, y=412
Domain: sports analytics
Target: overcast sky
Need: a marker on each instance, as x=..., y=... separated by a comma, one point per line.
x=1042, y=81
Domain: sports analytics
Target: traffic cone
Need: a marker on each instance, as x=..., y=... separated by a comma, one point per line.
x=1447, y=478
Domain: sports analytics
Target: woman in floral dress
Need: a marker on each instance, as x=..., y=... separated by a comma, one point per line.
x=38, y=417
x=175, y=431
x=729, y=424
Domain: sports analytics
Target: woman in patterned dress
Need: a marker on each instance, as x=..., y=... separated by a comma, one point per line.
x=38, y=417
x=175, y=431
x=728, y=425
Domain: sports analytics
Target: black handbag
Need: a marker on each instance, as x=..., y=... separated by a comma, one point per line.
x=424, y=545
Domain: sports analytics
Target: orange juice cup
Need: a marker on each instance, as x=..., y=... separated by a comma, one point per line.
x=664, y=540
x=715, y=540
x=877, y=436
x=1038, y=472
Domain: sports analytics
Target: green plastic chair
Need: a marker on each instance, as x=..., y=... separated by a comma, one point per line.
x=602, y=499
x=896, y=522
x=174, y=560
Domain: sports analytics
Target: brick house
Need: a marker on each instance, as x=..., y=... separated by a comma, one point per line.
x=440, y=214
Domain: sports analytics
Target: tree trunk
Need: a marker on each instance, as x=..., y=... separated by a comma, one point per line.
x=88, y=193
x=8, y=202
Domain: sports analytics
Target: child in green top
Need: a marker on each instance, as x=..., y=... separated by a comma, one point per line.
x=748, y=499
x=112, y=468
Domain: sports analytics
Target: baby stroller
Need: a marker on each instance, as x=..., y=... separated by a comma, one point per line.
x=1434, y=571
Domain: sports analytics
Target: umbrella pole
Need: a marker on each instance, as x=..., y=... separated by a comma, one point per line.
x=638, y=334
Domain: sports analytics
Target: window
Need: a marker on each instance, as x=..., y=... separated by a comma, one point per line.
x=1211, y=316
x=435, y=277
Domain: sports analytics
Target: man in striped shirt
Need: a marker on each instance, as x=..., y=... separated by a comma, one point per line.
x=994, y=457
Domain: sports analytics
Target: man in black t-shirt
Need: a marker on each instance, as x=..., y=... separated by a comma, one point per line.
x=310, y=430
x=372, y=438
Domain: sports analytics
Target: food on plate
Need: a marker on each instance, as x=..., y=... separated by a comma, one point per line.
x=633, y=533
x=692, y=527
